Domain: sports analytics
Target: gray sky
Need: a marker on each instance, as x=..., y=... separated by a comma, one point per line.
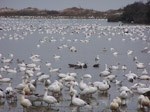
x=100, y=5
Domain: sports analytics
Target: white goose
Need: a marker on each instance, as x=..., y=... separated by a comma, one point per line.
x=115, y=67
x=5, y=80
x=9, y=91
x=82, y=85
x=97, y=58
x=77, y=101
x=125, y=88
x=55, y=87
x=72, y=91
x=56, y=57
x=25, y=102
x=124, y=67
x=144, y=72
x=131, y=76
x=49, y=99
x=102, y=86
x=88, y=76
x=142, y=90
x=124, y=96
x=114, y=106
x=106, y=72
x=11, y=70
x=1, y=94
x=144, y=77
x=89, y=90
x=143, y=101
x=140, y=65
x=6, y=60
x=110, y=77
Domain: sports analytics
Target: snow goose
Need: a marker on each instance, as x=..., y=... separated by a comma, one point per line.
x=144, y=72
x=77, y=101
x=110, y=77
x=56, y=57
x=114, y=106
x=131, y=76
x=26, y=89
x=48, y=64
x=114, y=67
x=62, y=75
x=47, y=82
x=103, y=86
x=89, y=90
x=73, y=49
x=124, y=67
x=55, y=87
x=124, y=96
x=129, y=52
x=14, y=71
x=69, y=78
x=106, y=72
x=97, y=58
x=72, y=91
x=9, y=91
x=24, y=101
x=125, y=88
x=6, y=60
x=143, y=101
x=117, y=82
x=5, y=80
x=88, y=76
x=49, y=99
x=82, y=84
x=31, y=65
x=1, y=94
x=144, y=77
x=142, y=90
x=118, y=100
x=136, y=85
x=54, y=70
x=43, y=77
x=139, y=65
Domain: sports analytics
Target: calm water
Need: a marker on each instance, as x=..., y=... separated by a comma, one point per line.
x=25, y=37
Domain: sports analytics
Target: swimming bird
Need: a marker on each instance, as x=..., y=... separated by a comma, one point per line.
x=56, y=57
x=77, y=101
x=24, y=101
x=140, y=65
x=124, y=67
x=124, y=96
x=1, y=94
x=82, y=84
x=143, y=101
x=144, y=72
x=97, y=58
x=49, y=99
x=110, y=77
x=9, y=91
x=131, y=76
x=144, y=77
x=55, y=87
x=103, y=86
x=89, y=90
x=106, y=72
x=96, y=65
x=114, y=106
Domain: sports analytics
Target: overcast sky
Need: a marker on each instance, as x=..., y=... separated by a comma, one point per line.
x=100, y=5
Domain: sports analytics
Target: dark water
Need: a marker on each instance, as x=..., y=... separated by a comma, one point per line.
x=21, y=37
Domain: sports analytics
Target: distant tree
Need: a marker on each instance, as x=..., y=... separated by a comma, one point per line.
x=137, y=12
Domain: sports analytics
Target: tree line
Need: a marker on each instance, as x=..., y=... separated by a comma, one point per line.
x=137, y=12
